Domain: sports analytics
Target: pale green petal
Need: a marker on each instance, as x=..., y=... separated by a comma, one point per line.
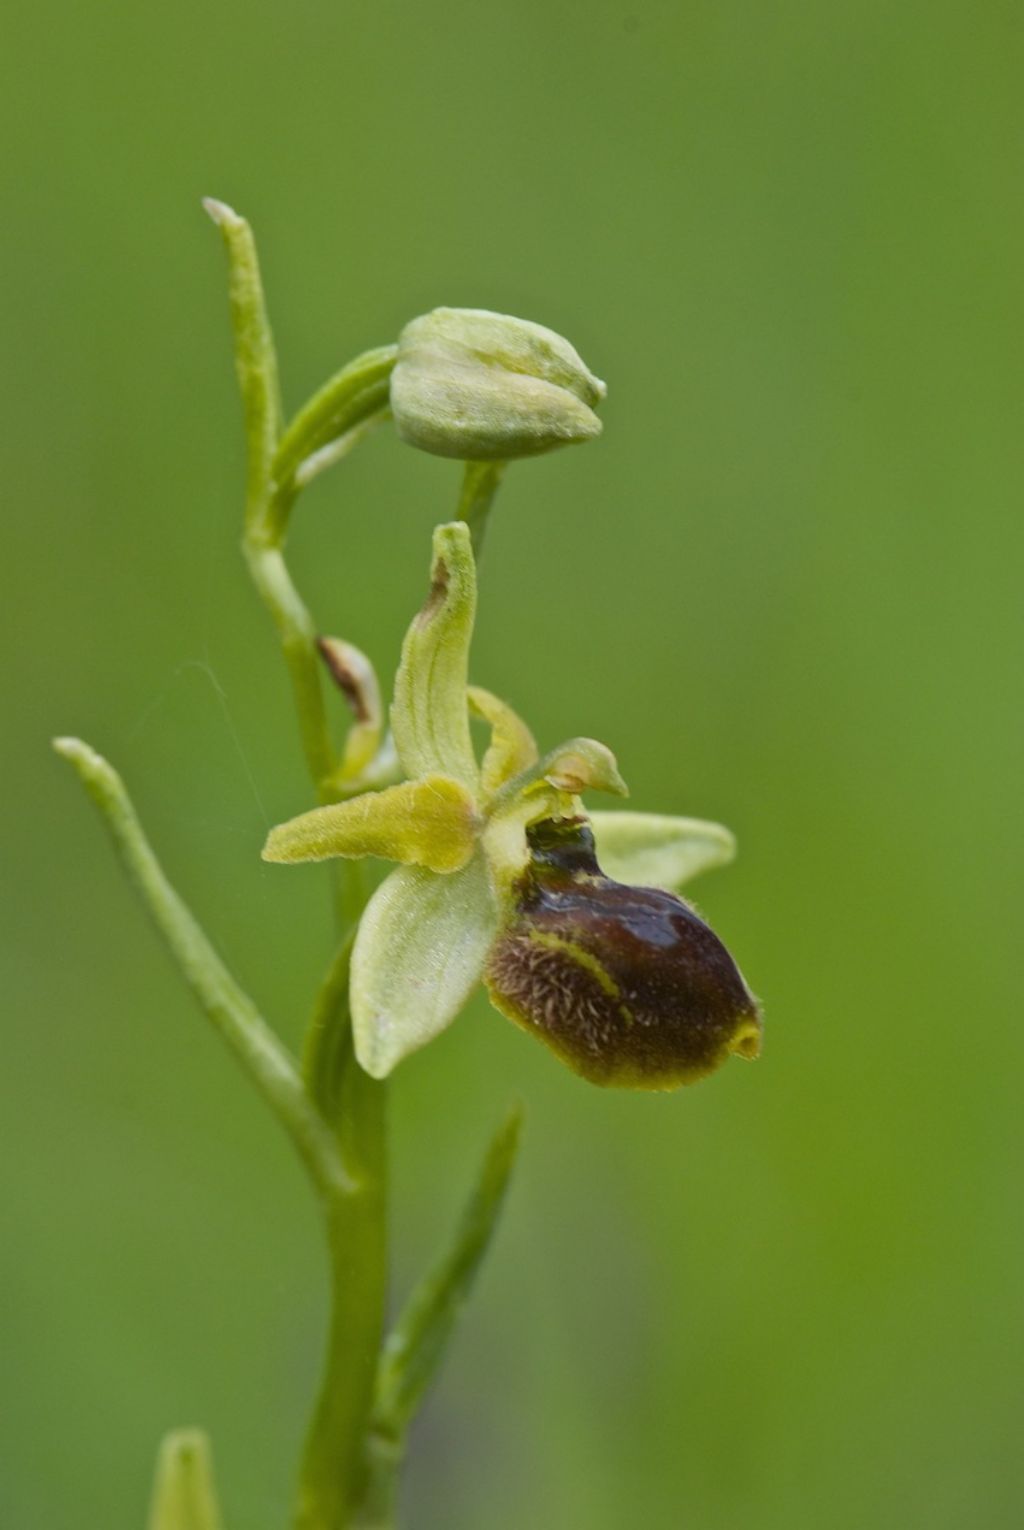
x=649, y=850
x=418, y=955
x=429, y=716
x=512, y=747
x=429, y=822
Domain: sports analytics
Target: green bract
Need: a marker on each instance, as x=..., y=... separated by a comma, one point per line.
x=466, y=834
x=184, y=1497
x=487, y=387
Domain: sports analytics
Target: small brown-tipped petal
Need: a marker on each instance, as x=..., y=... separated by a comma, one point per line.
x=356, y=679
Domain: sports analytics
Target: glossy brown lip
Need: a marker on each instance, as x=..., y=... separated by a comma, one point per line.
x=627, y=985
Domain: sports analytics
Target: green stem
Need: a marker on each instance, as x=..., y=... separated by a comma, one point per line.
x=380, y=1500
x=480, y=483
x=333, y=1472
x=348, y=398
x=333, y=1468
x=232, y=1012
x=265, y=510
x=335, y=451
x=324, y=431
x=298, y=636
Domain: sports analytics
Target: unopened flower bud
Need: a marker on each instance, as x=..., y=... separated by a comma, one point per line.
x=625, y=984
x=486, y=387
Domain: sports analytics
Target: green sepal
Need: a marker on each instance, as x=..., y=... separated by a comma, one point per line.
x=429, y=717
x=430, y=822
x=654, y=850
x=502, y=343
x=184, y=1497
x=419, y=953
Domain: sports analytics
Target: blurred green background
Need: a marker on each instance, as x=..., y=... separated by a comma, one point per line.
x=784, y=586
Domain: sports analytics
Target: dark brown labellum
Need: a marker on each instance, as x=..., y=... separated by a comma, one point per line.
x=626, y=984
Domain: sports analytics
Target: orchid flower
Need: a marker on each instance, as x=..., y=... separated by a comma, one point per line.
x=572, y=920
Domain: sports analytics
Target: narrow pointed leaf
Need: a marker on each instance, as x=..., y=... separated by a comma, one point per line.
x=229, y=1009
x=184, y=1497
x=414, y=1349
x=255, y=357
x=419, y=953
x=512, y=747
x=429, y=716
x=420, y=823
x=650, y=850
